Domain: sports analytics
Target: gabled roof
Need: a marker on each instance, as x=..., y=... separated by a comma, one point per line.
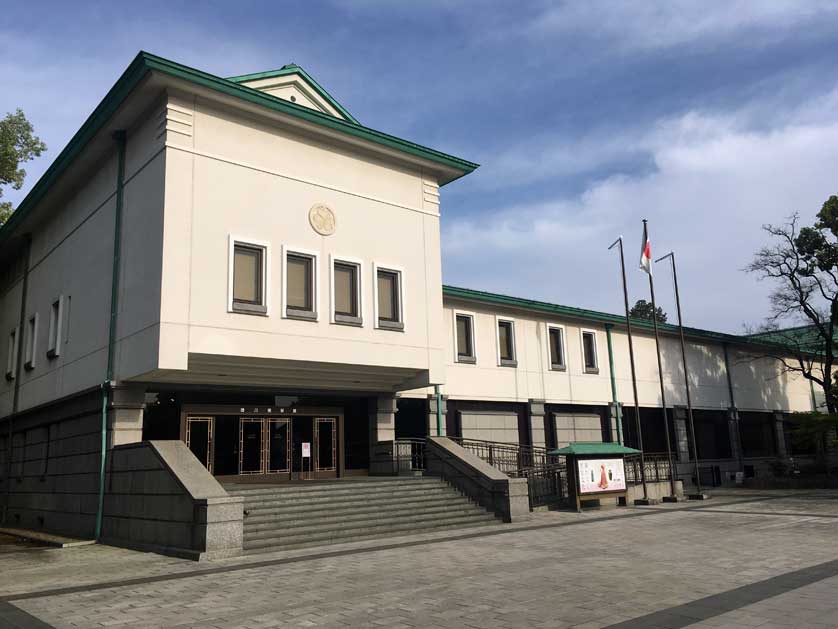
x=289, y=69
x=145, y=63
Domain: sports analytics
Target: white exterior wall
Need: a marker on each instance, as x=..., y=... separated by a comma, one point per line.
x=231, y=175
x=758, y=384
x=71, y=256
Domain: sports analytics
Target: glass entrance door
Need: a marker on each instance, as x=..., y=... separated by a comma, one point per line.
x=251, y=445
x=199, y=439
x=325, y=440
x=278, y=435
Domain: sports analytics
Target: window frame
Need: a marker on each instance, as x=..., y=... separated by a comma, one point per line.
x=340, y=318
x=585, y=368
x=240, y=307
x=399, y=324
x=561, y=366
x=506, y=362
x=31, y=342
x=56, y=319
x=13, y=338
x=470, y=359
x=296, y=313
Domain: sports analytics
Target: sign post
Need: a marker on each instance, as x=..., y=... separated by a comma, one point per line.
x=595, y=470
x=307, y=455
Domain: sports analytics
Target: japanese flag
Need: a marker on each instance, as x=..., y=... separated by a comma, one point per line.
x=646, y=252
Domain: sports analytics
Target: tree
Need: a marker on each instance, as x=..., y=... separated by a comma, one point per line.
x=803, y=265
x=18, y=145
x=643, y=310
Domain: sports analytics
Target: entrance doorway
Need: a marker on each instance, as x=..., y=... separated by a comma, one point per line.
x=282, y=447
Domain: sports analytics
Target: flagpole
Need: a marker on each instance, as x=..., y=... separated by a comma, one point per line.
x=672, y=496
x=699, y=495
x=633, y=372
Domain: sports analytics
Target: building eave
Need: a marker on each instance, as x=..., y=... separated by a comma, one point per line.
x=145, y=63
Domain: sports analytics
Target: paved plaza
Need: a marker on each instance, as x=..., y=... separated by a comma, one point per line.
x=742, y=559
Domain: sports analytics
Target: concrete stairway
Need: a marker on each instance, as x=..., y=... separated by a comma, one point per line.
x=283, y=517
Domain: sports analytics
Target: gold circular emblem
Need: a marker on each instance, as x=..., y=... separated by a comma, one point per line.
x=322, y=219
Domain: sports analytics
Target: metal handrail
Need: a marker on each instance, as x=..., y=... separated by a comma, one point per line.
x=656, y=467
x=510, y=458
x=546, y=473
x=412, y=450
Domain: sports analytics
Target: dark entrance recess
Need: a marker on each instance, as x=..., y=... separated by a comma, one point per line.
x=411, y=418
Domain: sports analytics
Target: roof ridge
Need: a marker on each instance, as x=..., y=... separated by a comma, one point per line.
x=294, y=68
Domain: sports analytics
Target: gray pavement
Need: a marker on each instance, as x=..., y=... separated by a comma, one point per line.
x=742, y=559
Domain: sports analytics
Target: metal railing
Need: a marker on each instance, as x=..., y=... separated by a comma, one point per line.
x=509, y=458
x=410, y=454
x=546, y=474
x=400, y=456
x=657, y=468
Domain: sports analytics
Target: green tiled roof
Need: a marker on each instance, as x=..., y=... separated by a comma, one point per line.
x=144, y=63
x=586, y=315
x=594, y=447
x=293, y=68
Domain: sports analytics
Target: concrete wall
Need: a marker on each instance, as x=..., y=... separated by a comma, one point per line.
x=71, y=257
x=507, y=497
x=758, y=384
x=157, y=495
x=54, y=480
x=160, y=498
x=228, y=174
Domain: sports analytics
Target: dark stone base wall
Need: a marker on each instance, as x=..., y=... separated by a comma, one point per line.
x=51, y=481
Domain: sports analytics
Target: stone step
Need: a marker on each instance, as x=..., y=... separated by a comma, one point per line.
x=327, y=485
x=328, y=498
x=360, y=489
x=349, y=507
x=383, y=514
x=337, y=526
x=308, y=538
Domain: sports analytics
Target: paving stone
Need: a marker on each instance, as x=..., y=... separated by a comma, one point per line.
x=665, y=566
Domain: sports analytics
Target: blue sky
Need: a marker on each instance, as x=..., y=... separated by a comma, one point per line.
x=707, y=118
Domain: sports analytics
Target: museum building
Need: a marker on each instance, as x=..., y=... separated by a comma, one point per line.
x=238, y=268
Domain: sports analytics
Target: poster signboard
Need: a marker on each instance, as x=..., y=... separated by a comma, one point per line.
x=600, y=475
x=306, y=450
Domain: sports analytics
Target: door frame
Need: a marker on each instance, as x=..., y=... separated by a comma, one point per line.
x=271, y=412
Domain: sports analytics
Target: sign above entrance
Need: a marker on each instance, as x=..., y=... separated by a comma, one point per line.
x=306, y=450
x=322, y=219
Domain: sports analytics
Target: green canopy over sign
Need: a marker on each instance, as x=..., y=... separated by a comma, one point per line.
x=594, y=447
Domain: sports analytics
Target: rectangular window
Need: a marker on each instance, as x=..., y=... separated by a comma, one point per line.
x=31, y=339
x=55, y=314
x=299, y=286
x=248, y=278
x=556, y=339
x=345, y=277
x=389, y=299
x=589, y=352
x=465, y=339
x=506, y=343
x=11, y=355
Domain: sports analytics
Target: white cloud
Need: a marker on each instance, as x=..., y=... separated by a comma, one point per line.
x=665, y=23
x=716, y=181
